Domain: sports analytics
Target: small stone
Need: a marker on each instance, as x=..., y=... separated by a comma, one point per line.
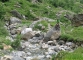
x=28, y=58
x=41, y=56
x=48, y=56
x=51, y=52
x=61, y=42
x=6, y=47
x=45, y=46
x=51, y=43
x=28, y=53
x=13, y=32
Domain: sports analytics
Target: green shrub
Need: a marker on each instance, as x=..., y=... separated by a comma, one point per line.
x=16, y=44
x=1, y=46
x=7, y=42
x=76, y=55
x=2, y=11
x=60, y=55
x=29, y=15
x=66, y=37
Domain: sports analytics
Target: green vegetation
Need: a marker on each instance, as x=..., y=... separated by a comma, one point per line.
x=76, y=55
x=16, y=44
x=44, y=23
x=49, y=9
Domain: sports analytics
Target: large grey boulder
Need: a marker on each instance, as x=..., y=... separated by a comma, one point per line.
x=14, y=20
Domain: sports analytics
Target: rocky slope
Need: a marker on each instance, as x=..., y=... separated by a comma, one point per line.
x=33, y=45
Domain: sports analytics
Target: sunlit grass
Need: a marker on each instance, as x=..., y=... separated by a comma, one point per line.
x=76, y=55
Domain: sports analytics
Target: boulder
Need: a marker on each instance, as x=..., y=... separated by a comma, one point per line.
x=26, y=30
x=17, y=14
x=14, y=20
x=76, y=19
x=27, y=35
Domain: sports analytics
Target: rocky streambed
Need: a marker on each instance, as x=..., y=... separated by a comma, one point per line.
x=32, y=45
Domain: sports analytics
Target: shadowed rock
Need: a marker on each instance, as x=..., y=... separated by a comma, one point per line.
x=76, y=20
x=17, y=14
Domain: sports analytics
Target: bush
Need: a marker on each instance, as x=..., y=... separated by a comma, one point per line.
x=66, y=37
x=2, y=11
x=29, y=15
x=16, y=44
x=60, y=55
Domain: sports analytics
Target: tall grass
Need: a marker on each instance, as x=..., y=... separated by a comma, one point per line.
x=76, y=55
